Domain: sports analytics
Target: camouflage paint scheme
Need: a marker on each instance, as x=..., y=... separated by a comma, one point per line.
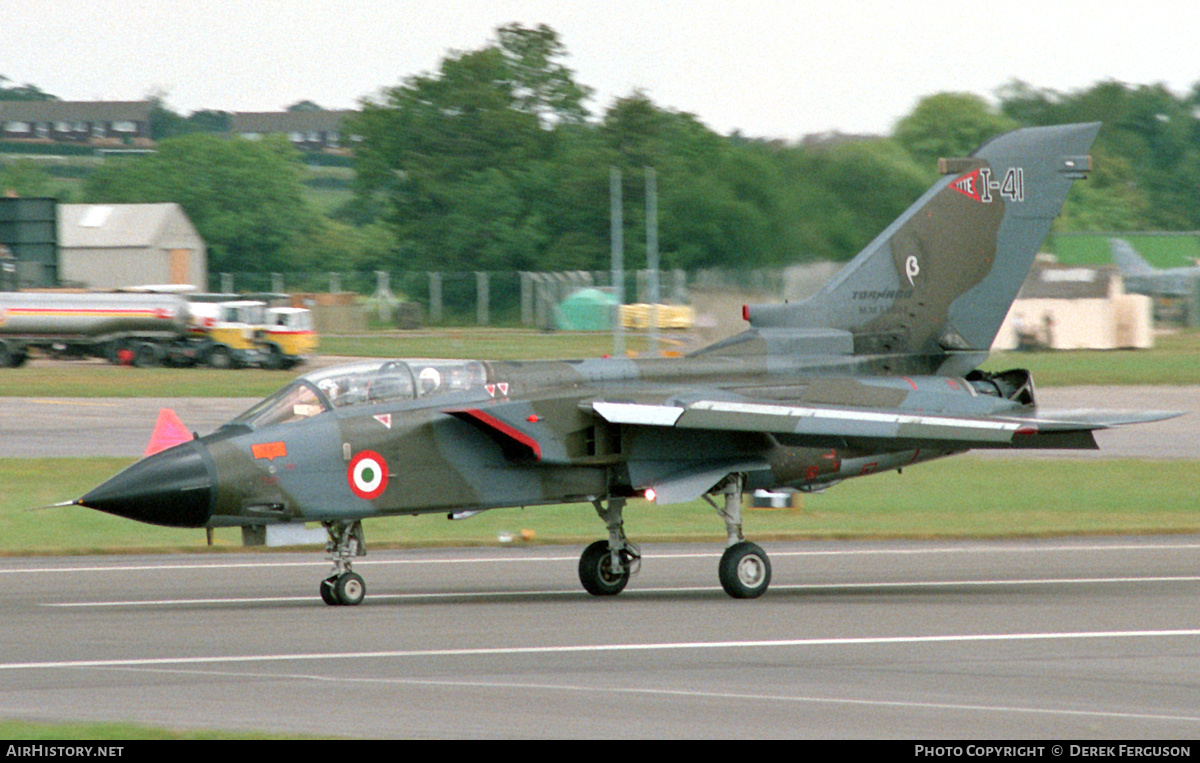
x=873, y=373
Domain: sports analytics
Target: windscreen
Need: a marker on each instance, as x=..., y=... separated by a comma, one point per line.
x=374, y=383
x=295, y=402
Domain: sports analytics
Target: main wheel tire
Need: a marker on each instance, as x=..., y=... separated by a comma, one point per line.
x=745, y=571
x=327, y=593
x=350, y=589
x=112, y=351
x=145, y=355
x=596, y=571
x=274, y=358
x=220, y=357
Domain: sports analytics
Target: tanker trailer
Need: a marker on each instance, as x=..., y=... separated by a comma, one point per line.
x=142, y=328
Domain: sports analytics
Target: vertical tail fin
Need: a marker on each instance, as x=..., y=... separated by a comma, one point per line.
x=941, y=278
x=1127, y=258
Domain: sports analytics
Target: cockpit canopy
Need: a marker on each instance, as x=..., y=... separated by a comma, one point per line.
x=365, y=384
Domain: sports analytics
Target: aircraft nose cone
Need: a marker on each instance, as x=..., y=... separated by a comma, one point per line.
x=172, y=488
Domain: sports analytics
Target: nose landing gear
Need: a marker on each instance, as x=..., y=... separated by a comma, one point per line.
x=344, y=587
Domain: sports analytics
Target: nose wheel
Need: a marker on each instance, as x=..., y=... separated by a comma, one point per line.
x=345, y=590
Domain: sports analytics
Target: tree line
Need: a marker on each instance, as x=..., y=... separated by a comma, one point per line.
x=494, y=162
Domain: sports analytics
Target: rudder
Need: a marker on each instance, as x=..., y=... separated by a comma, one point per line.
x=941, y=278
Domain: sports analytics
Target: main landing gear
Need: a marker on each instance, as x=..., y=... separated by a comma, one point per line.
x=607, y=565
x=344, y=587
x=744, y=569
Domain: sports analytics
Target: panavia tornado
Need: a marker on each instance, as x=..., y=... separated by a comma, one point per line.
x=875, y=372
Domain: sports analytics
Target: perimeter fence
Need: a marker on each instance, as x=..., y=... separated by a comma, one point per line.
x=524, y=298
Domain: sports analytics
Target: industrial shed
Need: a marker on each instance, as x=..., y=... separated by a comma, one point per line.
x=109, y=246
x=1064, y=307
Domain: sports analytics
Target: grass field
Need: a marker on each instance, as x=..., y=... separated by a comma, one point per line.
x=482, y=343
x=118, y=732
x=963, y=497
x=1174, y=361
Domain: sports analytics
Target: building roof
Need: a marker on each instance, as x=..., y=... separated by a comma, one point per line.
x=287, y=121
x=111, y=226
x=1047, y=281
x=75, y=111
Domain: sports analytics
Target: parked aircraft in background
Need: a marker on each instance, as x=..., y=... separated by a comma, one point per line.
x=1143, y=278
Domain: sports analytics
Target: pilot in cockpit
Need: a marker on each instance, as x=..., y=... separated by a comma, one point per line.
x=428, y=382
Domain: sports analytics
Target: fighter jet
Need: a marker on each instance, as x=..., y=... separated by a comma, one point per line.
x=874, y=373
x=1143, y=278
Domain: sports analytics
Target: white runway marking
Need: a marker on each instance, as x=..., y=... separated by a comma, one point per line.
x=275, y=564
x=608, y=648
x=500, y=558
x=632, y=591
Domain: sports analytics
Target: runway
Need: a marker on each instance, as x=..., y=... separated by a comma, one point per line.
x=1055, y=639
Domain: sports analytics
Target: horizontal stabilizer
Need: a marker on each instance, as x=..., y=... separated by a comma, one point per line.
x=1089, y=419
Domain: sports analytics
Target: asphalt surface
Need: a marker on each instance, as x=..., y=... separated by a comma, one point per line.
x=1054, y=640
x=33, y=427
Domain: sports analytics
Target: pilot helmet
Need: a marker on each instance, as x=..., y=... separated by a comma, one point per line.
x=429, y=380
x=329, y=387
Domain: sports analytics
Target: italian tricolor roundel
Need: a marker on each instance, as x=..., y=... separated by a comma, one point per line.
x=368, y=475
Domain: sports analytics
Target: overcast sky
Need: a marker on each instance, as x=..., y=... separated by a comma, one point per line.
x=765, y=68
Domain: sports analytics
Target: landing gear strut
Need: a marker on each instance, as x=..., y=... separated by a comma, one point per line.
x=744, y=570
x=344, y=587
x=606, y=565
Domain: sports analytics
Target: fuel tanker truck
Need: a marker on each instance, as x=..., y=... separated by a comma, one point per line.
x=145, y=328
x=142, y=329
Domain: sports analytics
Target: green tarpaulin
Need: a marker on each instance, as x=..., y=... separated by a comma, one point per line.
x=586, y=310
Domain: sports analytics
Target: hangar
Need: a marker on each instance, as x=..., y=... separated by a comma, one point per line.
x=1062, y=307
x=109, y=246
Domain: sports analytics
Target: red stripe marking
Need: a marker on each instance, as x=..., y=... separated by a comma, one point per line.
x=506, y=430
x=83, y=311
